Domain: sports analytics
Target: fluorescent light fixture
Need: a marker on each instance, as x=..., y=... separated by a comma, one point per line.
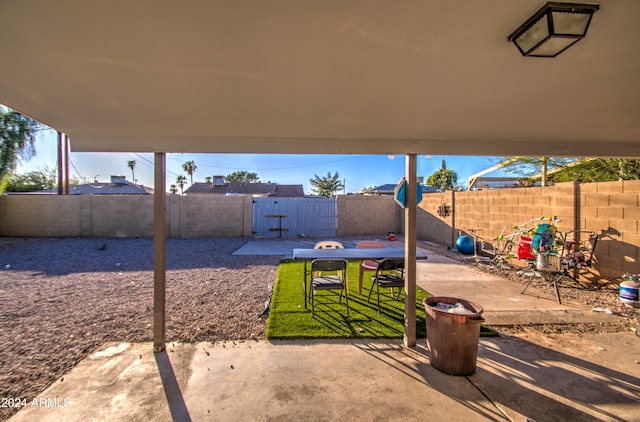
x=553, y=29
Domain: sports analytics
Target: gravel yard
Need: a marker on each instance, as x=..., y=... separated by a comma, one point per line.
x=63, y=298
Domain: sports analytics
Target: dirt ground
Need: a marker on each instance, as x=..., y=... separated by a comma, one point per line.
x=63, y=298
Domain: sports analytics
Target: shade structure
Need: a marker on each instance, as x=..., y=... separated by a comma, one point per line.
x=425, y=77
x=553, y=29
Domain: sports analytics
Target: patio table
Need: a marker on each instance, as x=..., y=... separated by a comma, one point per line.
x=348, y=254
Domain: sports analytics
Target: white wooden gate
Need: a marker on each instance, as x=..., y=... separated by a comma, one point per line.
x=295, y=217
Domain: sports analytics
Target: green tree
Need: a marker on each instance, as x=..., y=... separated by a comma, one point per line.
x=41, y=179
x=190, y=167
x=33, y=181
x=132, y=164
x=242, y=176
x=17, y=139
x=599, y=170
x=443, y=179
x=173, y=189
x=181, y=181
x=207, y=179
x=530, y=166
x=326, y=186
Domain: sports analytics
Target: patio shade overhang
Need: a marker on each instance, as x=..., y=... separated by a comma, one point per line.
x=352, y=77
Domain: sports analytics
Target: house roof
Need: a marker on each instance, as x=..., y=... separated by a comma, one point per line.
x=424, y=77
x=289, y=191
x=259, y=188
x=101, y=188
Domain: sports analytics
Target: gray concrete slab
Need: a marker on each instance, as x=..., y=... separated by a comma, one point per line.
x=442, y=276
x=272, y=247
x=583, y=377
x=345, y=381
x=502, y=300
x=283, y=247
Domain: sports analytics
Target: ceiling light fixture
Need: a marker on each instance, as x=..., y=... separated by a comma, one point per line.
x=553, y=29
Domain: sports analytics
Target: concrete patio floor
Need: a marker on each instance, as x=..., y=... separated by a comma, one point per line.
x=569, y=377
x=347, y=380
x=503, y=302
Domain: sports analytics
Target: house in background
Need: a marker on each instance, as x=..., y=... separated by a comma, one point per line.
x=219, y=187
x=119, y=185
x=387, y=189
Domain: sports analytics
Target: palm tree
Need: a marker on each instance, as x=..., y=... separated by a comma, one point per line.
x=443, y=179
x=190, y=167
x=326, y=186
x=181, y=181
x=132, y=164
x=173, y=189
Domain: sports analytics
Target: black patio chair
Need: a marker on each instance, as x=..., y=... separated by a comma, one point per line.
x=389, y=274
x=328, y=274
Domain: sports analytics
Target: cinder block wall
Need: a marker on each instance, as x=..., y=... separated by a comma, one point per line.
x=431, y=225
x=41, y=215
x=186, y=216
x=123, y=216
x=215, y=216
x=361, y=215
x=610, y=209
x=491, y=211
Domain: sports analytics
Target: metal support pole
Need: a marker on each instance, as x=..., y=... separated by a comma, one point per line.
x=159, y=252
x=66, y=165
x=410, y=245
x=60, y=163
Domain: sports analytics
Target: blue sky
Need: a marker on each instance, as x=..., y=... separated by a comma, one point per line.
x=357, y=171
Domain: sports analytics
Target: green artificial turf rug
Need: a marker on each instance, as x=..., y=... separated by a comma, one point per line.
x=288, y=318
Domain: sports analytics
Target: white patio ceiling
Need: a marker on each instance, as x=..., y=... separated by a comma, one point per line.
x=330, y=76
